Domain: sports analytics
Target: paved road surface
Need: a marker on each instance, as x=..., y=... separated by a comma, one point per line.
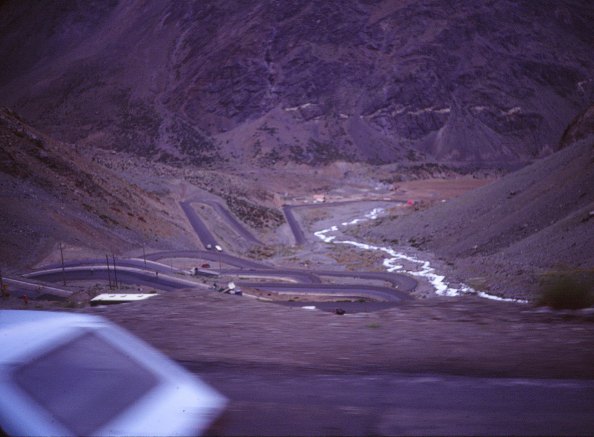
x=199, y=226
x=402, y=282
x=294, y=224
x=138, y=276
x=120, y=262
x=133, y=277
x=90, y=269
x=231, y=220
x=210, y=256
x=35, y=290
x=287, y=401
x=295, y=275
x=385, y=294
x=292, y=401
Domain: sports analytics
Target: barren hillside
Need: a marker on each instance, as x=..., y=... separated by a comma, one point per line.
x=50, y=193
x=264, y=82
x=508, y=234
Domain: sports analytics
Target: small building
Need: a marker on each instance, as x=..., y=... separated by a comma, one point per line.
x=113, y=298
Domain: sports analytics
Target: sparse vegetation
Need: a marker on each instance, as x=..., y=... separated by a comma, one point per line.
x=261, y=252
x=567, y=291
x=478, y=283
x=254, y=215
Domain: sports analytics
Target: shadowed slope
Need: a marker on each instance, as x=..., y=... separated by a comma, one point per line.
x=529, y=222
x=50, y=192
x=265, y=82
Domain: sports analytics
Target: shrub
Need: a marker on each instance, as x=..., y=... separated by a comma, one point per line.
x=563, y=291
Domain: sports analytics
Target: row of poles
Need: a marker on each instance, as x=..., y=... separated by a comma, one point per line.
x=112, y=285
x=115, y=272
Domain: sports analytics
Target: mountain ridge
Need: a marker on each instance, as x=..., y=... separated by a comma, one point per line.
x=268, y=82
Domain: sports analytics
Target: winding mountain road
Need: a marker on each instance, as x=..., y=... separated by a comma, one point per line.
x=299, y=276
x=298, y=234
x=204, y=234
x=231, y=220
x=401, y=282
x=272, y=400
x=125, y=275
x=383, y=294
x=35, y=290
x=150, y=265
x=206, y=237
x=149, y=272
x=210, y=256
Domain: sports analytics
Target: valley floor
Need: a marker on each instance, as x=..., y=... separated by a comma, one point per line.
x=222, y=336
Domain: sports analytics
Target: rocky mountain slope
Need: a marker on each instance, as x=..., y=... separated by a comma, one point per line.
x=262, y=82
x=508, y=234
x=52, y=193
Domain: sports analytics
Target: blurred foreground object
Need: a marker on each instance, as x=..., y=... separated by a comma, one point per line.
x=75, y=374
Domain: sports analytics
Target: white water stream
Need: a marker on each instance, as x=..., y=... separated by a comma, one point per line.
x=397, y=261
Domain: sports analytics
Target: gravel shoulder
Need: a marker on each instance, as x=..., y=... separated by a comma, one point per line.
x=462, y=336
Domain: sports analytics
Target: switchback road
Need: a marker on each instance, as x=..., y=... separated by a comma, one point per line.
x=283, y=400
x=373, y=292
x=210, y=256
x=148, y=272
x=35, y=290
x=125, y=275
x=207, y=239
x=298, y=234
x=231, y=220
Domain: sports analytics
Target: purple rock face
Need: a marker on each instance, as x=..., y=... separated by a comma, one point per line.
x=262, y=82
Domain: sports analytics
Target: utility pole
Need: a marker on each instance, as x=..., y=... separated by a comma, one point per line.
x=1, y=284
x=63, y=270
x=108, y=272
x=115, y=272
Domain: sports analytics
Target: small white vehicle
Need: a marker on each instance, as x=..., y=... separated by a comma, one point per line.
x=75, y=374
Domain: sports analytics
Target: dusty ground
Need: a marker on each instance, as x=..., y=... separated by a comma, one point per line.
x=54, y=192
x=466, y=336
